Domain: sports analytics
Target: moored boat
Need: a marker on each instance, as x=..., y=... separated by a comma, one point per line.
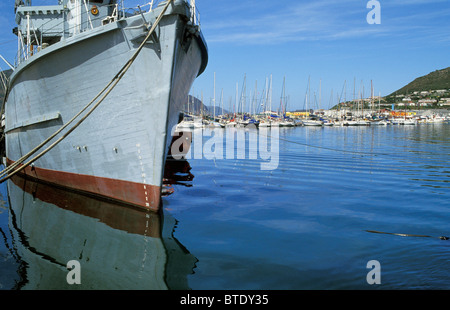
x=312, y=122
x=265, y=123
x=69, y=54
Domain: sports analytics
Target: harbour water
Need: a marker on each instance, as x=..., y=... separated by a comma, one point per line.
x=231, y=225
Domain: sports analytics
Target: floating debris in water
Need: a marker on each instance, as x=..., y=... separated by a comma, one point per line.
x=407, y=235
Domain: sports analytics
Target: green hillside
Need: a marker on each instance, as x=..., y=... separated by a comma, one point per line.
x=436, y=80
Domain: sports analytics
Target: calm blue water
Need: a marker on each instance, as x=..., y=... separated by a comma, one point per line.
x=300, y=226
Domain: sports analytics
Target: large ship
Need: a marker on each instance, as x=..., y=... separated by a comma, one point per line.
x=102, y=130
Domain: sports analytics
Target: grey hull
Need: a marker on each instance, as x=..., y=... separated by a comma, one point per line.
x=119, y=151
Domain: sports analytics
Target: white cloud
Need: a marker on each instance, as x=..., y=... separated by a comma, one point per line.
x=297, y=22
x=318, y=20
x=411, y=2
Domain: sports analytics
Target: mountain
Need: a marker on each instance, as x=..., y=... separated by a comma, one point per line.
x=219, y=110
x=436, y=80
x=195, y=106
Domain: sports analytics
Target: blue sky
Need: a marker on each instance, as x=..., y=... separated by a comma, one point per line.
x=326, y=41
x=329, y=42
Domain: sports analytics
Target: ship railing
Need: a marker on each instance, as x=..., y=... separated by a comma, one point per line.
x=28, y=44
x=33, y=41
x=130, y=11
x=150, y=6
x=113, y=17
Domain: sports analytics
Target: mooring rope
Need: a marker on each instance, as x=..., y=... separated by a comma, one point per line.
x=360, y=153
x=336, y=150
x=111, y=85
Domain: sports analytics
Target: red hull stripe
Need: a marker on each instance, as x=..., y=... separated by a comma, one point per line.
x=137, y=194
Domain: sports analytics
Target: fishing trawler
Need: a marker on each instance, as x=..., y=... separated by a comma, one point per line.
x=109, y=129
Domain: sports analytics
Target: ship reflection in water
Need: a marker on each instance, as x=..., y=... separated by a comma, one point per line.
x=117, y=247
